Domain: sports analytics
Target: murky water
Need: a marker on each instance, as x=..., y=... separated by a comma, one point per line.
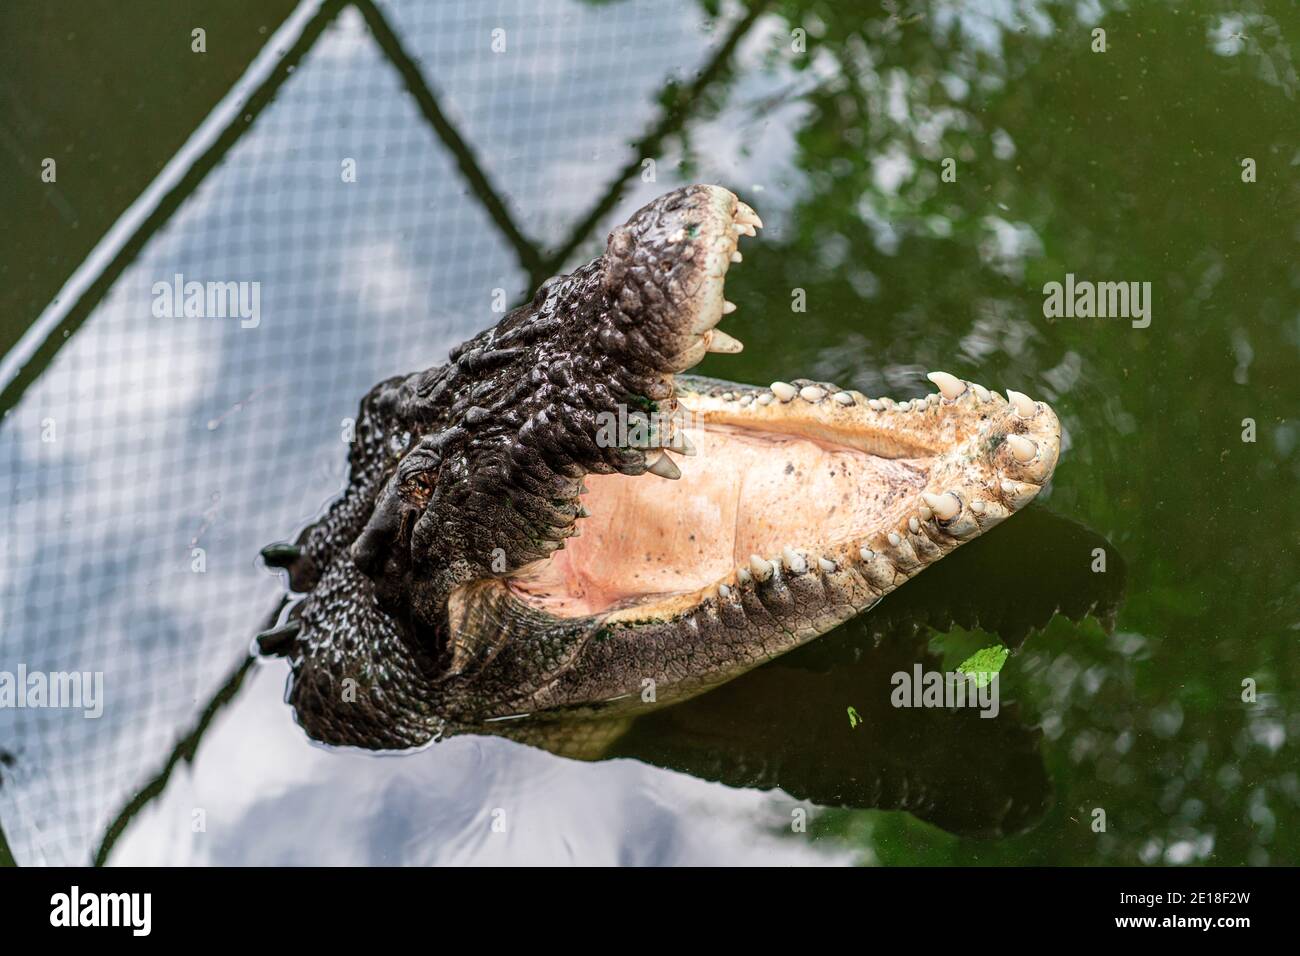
x=923, y=173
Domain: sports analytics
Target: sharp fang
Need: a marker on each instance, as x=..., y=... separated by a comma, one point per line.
x=736, y=256
x=981, y=392
x=728, y=307
x=1022, y=448
x=745, y=213
x=663, y=467
x=811, y=393
x=743, y=229
x=762, y=570
x=1024, y=405
x=794, y=560
x=844, y=398
x=743, y=576
x=828, y=566
x=784, y=391
x=583, y=512
x=720, y=341
x=950, y=385
x=945, y=506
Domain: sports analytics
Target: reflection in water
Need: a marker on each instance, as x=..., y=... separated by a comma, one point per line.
x=1067, y=160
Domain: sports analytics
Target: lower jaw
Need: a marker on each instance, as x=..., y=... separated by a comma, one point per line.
x=789, y=482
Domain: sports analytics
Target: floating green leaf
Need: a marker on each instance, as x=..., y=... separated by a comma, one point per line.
x=983, y=664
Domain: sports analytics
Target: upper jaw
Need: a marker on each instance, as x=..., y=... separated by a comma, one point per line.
x=665, y=269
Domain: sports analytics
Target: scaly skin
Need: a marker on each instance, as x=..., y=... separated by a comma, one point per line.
x=467, y=476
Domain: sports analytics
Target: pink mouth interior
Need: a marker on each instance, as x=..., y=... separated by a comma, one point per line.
x=745, y=492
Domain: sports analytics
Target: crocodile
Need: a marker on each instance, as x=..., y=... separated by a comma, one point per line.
x=560, y=521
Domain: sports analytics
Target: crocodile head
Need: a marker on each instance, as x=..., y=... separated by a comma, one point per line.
x=559, y=520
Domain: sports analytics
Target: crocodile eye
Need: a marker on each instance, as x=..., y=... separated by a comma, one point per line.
x=418, y=486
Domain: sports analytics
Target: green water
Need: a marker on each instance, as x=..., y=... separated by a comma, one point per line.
x=1127, y=165
x=1181, y=443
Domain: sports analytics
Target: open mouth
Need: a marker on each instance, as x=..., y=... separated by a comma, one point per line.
x=793, y=479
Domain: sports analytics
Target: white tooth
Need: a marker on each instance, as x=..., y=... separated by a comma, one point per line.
x=742, y=575
x=932, y=398
x=720, y=341
x=764, y=399
x=724, y=590
x=1022, y=448
x=1008, y=488
x=746, y=214
x=663, y=467
x=746, y=399
x=743, y=229
x=736, y=256
x=728, y=396
x=844, y=398
x=914, y=525
x=827, y=566
x=977, y=506
x=762, y=570
x=794, y=560
x=1025, y=406
x=925, y=512
x=981, y=392
x=681, y=444
x=904, y=406
x=950, y=385
x=944, y=506
x=784, y=391
x=866, y=554
x=728, y=307
x=894, y=539
x=875, y=404
x=811, y=393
